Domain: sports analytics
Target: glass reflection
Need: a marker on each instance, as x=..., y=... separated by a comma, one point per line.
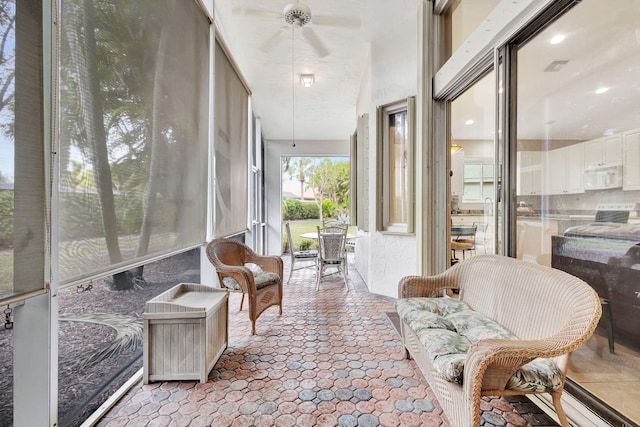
x=578, y=183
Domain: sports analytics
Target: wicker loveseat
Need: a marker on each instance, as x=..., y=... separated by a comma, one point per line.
x=509, y=313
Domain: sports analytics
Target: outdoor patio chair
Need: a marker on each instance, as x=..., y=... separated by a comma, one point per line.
x=332, y=252
x=240, y=269
x=299, y=256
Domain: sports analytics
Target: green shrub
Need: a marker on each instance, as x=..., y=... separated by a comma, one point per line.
x=311, y=211
x=6, y=218
x=306, y=244
x=294, y=210
x=329, y=209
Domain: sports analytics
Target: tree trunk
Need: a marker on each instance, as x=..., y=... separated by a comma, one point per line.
x=86, y=67
x=157, y=148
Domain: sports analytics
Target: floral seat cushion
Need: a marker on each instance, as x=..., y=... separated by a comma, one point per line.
x=310, y=253
x=447, y=328
x=261, y=277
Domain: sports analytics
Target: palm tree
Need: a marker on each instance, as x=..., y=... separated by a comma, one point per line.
x=298, y=169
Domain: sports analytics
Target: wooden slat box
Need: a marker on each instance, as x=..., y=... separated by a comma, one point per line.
x=185, y=332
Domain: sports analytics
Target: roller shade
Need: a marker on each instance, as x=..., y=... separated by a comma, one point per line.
x=231, y=122
x=134, y=87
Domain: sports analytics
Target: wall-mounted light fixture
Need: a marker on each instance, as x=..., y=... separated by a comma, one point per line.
x=455, y=148
x=307, y=80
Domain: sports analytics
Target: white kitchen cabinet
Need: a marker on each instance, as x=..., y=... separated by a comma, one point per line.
x=574, y=169
x=565, y=168
x=603, y=151
x=457, y=180
x=630, y=169
x=466, y=220
x=529, y=173
x=556, y=175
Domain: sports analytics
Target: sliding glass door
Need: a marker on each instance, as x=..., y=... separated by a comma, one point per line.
x=473, y=170
x=578, y=179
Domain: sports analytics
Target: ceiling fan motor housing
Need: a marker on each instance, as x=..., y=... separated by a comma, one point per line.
x=298, y=14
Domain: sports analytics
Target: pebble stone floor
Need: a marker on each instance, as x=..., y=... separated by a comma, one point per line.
x=332, y=359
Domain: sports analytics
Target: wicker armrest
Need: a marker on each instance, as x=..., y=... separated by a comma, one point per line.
x=491, y=363
x=241, y=274
x=422, y=286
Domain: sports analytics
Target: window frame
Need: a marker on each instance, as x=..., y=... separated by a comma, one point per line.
x=384, y=112
x=482, y=179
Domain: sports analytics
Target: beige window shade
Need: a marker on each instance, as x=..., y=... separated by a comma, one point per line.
x=134, y=86
x=23, y=207
x=231, y=147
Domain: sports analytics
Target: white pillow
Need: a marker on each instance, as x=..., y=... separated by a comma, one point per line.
x=255, y=268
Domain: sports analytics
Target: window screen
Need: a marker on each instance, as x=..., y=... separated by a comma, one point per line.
x=134, y=86
x=232, y=149
x=22, y=164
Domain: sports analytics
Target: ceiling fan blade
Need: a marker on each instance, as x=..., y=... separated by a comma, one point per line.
x=319, y=47
x=336, y=21
x=256, y=12
x=272, y=41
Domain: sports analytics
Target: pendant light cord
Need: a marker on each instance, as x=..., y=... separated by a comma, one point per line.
x=293, y=87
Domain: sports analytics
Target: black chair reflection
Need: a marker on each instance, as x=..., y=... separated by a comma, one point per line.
x=621, y=217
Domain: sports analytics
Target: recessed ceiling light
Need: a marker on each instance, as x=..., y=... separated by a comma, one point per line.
x=469, y=122
x=558, y=38
x=307, y=80
x=601, y=90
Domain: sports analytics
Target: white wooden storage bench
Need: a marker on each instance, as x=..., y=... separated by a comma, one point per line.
x=185, y=332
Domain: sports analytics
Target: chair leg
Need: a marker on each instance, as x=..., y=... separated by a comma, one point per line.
x=318, y=277
x=290, y=271
x=608, y=321
x=345, y=275
x=562, y=417
x=241, y=301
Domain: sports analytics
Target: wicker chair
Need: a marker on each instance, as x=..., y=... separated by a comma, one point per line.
x=262, y=285
x=309, y=258
x=551, y=312
x=332, y=251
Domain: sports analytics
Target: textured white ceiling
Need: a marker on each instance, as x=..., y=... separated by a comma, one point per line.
x=327, y=110
x=601, y=49
x=553, y=105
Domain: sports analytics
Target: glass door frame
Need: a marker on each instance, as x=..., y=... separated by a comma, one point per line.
x=442, y=132
x=507, y=54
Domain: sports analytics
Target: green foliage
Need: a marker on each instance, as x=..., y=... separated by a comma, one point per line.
x=329, y=208
x=294, y=209
x=306, y=244
x=331, y=181
x=83, y=218
x=6, y=219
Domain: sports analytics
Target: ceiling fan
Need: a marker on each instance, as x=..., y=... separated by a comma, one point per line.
x=298, y=14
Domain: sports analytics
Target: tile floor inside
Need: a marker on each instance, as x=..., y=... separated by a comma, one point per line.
x=332, y=359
